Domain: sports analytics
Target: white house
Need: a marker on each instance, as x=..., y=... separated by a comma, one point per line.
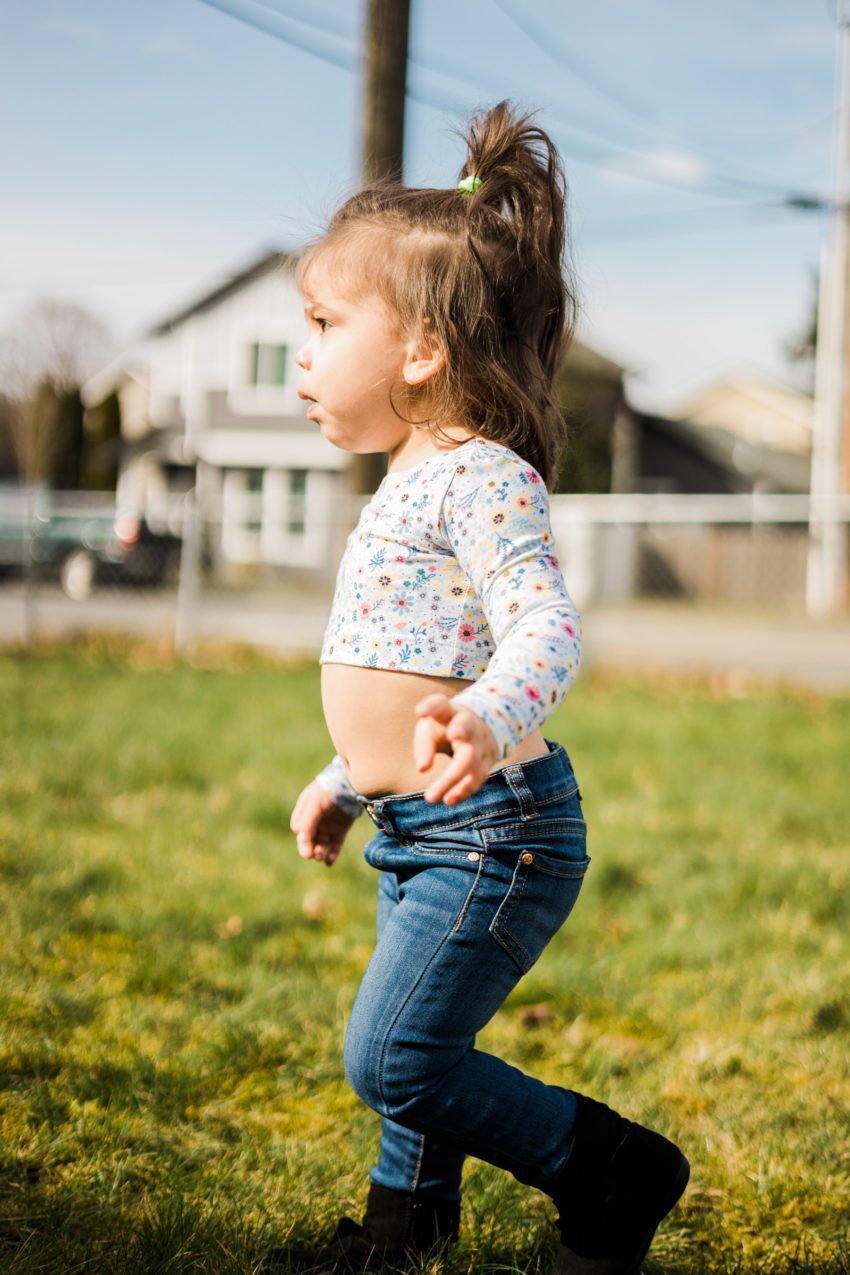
x=210, y=397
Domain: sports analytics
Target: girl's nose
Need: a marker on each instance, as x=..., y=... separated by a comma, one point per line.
x=302, y=357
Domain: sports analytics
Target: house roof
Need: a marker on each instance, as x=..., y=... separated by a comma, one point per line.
x=705, y=405
x=582, y=360
x=268, y=261
x=753, y=462
x=128, y=366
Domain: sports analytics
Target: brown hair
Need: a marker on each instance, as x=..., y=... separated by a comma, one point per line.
x=481, y=275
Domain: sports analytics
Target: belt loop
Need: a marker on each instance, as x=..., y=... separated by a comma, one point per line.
x=375, y=810
x=519, y=787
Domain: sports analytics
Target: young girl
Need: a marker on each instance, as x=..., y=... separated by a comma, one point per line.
x=437, y=318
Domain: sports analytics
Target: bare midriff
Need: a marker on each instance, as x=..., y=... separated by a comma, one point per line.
x=369, y=714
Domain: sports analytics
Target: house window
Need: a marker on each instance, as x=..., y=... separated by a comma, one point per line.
x=267, y=364
x=297, y=494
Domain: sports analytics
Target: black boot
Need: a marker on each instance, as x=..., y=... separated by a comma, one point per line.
x=396, y=1225
x=620, y=1180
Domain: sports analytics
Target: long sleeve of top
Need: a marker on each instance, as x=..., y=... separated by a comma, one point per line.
x=335, y=782
x=496, y=522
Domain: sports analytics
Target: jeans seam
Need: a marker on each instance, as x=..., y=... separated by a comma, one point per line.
x=559, y=796
x=420, y=1157
x=402, y=1007
x=422, y=973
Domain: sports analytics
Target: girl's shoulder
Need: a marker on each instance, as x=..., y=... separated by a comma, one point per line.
x=483, y=458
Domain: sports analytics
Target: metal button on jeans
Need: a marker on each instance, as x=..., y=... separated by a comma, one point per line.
x=528, y=858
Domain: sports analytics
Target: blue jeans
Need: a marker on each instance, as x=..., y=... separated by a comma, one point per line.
x=468, y=897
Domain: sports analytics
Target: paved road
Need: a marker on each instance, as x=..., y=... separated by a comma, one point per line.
x=643, y=637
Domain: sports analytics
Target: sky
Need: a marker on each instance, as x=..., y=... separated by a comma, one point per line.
x=152, y=148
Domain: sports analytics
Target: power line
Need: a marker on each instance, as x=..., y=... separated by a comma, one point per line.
x=551, y=47
x=654, y=225
x=549, y=44
x=342, y=58
x=324, y=19
x=610, y=157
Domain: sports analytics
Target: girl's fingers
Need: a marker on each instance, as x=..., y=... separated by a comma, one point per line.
x=454, y=792
x=461, y=791
x=425, y=743
x=461, y=767
x=436, y=705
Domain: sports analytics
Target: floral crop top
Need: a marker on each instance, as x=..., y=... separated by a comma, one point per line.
x=451, y=571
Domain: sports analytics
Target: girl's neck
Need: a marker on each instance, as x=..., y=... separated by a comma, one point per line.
x=418, y=447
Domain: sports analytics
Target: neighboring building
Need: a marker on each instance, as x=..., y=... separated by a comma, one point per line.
x=759, y=412
x=654, y=454
x=213, y=393
x=590, y=390
x=725, y=561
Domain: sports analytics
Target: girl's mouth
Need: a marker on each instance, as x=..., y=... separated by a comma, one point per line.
x=311, y=410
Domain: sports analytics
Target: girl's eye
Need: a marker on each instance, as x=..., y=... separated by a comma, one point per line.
x=321, y=324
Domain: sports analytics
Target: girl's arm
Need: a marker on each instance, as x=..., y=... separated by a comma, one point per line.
x=496, y=519
x=337, y=784
x=496, y=523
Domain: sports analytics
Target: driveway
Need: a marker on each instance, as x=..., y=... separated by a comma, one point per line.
x=652, y=638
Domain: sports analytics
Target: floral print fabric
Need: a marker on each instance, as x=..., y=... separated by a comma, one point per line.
x=451, y=571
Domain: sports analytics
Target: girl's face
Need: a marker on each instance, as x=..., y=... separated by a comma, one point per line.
x=354, y=359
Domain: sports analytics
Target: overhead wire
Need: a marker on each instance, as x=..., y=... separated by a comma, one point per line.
x=551, y=45
x=341, y=59
x=695, y=220
x=610, y=158
x=469, y=76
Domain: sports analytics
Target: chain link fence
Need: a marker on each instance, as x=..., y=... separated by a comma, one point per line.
x=245, y=570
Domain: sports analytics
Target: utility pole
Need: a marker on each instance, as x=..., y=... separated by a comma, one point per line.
x=826, y=574
x=384, y=88
x=387, y=24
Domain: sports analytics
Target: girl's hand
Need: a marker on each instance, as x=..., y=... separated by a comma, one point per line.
x=319, y=825
x=446, y=727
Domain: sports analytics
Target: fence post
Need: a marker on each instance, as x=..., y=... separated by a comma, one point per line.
x=187, y=588
x=29, y=616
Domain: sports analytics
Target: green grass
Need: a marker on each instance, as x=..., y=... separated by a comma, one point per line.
x=175, y=981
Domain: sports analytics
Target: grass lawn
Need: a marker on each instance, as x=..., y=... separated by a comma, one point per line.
x=176, y=982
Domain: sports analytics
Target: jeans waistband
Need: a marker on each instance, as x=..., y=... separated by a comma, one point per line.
x=523, y=788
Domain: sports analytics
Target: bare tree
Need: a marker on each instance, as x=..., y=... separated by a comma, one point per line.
x=51, y=340
x=46, y=353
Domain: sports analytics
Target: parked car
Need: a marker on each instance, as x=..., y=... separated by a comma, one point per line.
x=82, y=541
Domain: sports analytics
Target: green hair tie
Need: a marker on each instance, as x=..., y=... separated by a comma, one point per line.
x=469, y=185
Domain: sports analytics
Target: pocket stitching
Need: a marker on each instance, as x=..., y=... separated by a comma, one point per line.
x=504, y=832
x=571, y=868
x=470, y=896
x=506, y=907
x=422, y=848
x=577, y=867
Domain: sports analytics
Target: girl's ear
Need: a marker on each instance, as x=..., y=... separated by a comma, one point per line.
x=423, y=359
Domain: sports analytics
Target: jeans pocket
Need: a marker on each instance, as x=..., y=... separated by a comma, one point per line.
x=548, y=859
